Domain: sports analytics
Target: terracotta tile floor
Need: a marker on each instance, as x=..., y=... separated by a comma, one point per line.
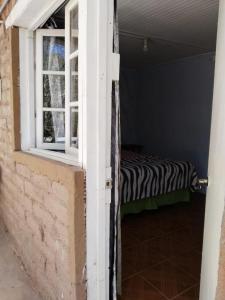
x=161, y=252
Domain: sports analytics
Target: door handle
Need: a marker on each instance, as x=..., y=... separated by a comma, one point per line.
x=203, y=182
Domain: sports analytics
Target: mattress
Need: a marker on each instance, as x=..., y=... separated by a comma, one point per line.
x=146, y=176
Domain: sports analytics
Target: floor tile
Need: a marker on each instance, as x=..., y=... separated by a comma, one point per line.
x=137, y=288
x=192, y=294
x=189, y=262
x=128, y=240
x=143, y=227
x=185, y=239
x=141, y=255
x=163, y=248
x=168, y=279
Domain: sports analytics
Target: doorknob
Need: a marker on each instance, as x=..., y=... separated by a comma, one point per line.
x=203, y=182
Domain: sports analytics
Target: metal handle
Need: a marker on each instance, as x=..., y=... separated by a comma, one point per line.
x=203, y=182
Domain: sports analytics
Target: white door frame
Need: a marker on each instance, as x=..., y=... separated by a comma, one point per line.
x=97, y=134
x=216, y=190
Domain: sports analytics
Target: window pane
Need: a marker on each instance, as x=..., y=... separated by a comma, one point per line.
x=53, y=53
x=54, y=127
x=54, y=91
x=74, y=29
x=74, y=127
x=74, y=80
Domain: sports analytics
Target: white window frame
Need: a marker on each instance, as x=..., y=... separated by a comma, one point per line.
x=69, y=105
x=40, y=34
x=31, y=83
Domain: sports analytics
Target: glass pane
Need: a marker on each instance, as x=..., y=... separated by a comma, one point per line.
x=53, y=53
x=74, y=29
x=54, y=91
x=74, y=80
x=54, y=127
x=74, y=127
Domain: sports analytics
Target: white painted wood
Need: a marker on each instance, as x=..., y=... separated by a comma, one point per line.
x=216, y=171
x=115, y=66
x=74, y=54
x=66, y=159
x=30, y=14
x=69, y=56
x=53, y=72
x=97, y=19
x=53, y=109
x=27, y=110
x=40, y=34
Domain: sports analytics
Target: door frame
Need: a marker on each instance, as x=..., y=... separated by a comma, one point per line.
x=100, y=71
x=215, y=199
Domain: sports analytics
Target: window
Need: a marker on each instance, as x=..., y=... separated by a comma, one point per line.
x=50, y=89
x=73, y=106
x=57, y=109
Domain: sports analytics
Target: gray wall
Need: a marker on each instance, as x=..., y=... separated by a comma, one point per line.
x=129, y=85
x=171, y=113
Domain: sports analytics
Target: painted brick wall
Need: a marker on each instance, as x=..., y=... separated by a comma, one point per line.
x=43, y=213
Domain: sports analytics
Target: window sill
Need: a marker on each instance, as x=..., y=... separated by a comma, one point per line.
x=57, y=156
x=53, y=168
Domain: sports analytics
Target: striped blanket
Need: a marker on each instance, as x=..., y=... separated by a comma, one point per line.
x=144, y=176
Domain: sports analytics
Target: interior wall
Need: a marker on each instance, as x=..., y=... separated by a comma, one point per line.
x=129, y=84
x=167, y=108
x=175, y=115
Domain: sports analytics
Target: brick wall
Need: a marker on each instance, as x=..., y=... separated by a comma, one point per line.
x=41, y=204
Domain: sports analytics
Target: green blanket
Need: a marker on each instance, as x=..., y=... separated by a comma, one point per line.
x=155, y=202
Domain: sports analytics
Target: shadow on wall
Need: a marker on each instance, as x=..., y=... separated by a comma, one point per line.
x=129, y=94
x=167, y=108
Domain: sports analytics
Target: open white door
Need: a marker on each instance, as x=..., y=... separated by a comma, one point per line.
x=216, y=172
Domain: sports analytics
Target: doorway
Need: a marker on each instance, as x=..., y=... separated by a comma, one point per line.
x=166, y=91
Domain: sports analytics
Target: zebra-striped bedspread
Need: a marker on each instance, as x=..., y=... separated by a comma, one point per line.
x=144, y=176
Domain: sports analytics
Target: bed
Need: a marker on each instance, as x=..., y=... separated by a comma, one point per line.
x=148, y=182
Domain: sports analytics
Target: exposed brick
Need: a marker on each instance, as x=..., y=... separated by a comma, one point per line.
x=33, y=192
x=54, y=205
x=27, y=204
x=60, y=191
x=23, y=171
x=43, y=217
x=19, y=182
x=41, y=181
x=33, y=207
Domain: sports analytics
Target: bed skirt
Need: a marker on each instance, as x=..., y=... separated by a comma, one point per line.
x=154, y=203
